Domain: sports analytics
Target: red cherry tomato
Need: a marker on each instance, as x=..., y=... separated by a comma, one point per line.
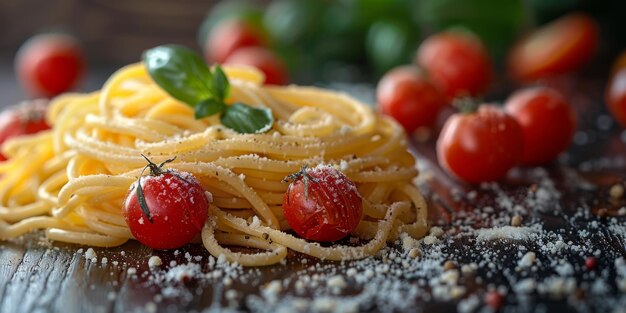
x=49, y=64
x=322, y=204
x=24, y=119
x=177, y=207
x=263, y=59
x=228, y=37
x=615, y=96
x=407, y=96
x=480, y=146
x=557, y=48
x=547, y=120
x=457, y=62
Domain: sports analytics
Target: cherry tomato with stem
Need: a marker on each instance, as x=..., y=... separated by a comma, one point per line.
x=322, y=204
x=480, y=145
x=457, y=62
x=263, y=59
x=165, y=209
x=559, y=47
x=49, y=64
x=405, y=94
x=23, y=119
x=229, y=36
x=548, y=123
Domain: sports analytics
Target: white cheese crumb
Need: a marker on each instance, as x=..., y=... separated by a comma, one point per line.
x=526, y=285
x=231, y=294
x=468, y=305
x=336, y=282
x=504, y=232
x=154, y=261
x=527, y=260
x=227, y=281
x=90, y=254
x=616, y=191
x=131, y=271
x=111, y=295
x=450, y=277
x=429, y=240
x=209, y=196
x=150, y=307
x=256, y=222
x=271, y=290
x=436, y=231
x=104, y=260
x=351, y=272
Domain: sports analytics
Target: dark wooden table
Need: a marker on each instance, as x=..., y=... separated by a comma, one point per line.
x=568, y=215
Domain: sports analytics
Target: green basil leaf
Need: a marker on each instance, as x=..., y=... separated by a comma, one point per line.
x=208, y=107
x=246, y=119
x=221, y=86
x=181, y=72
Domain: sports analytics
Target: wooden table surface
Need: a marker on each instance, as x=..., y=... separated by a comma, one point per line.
x=39, y=276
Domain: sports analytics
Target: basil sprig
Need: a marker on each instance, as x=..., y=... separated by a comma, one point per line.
x=183, y=75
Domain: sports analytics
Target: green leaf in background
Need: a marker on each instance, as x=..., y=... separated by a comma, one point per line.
x=390, y=43
x=290, y=21
x=496, y=22
x=181, y=72
x=232, y=9
x=208, y=107
x=246, y=119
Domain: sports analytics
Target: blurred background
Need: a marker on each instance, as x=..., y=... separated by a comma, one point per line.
x=316, y=40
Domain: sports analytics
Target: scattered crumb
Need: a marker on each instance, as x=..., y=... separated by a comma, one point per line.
x=154, y=261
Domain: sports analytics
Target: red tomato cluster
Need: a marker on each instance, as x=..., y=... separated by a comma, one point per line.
x=235, y=41
x=484, y=143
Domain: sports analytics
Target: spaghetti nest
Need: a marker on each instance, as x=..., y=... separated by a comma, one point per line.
x=71, y=181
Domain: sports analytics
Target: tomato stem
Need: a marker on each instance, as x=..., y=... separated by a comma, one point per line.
x=466, y=105
x=306, y=177
x=155, y=170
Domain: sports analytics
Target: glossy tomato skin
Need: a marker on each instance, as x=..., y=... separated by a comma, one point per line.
x=263, y=59
x=50, y=64
x=178, y=207
x=559, y=47
x=548, y=123
x=457, y=62
x=480, y=146
x=24, y=119
x=405, y=94
x=615, y=96
x=228, y=37
x=330, y=210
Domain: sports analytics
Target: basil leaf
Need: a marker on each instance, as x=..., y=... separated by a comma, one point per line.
x=221, y=86
x=208, y=107
x=181, y=72
x=246, y=119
